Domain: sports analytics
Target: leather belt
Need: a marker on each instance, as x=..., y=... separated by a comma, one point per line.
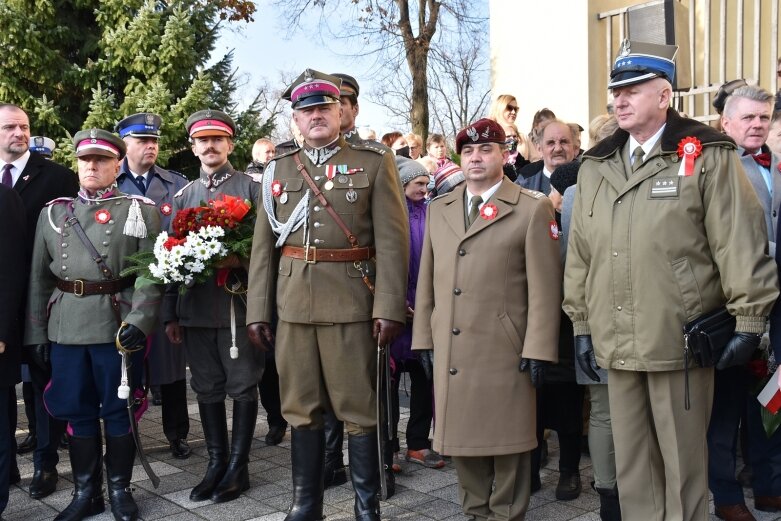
x=312, y=254
x=82, y=288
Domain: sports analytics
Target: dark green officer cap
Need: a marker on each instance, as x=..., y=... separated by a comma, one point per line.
x=349, y=84
x=313, y=88
x=96, y=141
x=210, y=122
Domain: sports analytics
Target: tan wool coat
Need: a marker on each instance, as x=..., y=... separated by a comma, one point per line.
x=486, y=298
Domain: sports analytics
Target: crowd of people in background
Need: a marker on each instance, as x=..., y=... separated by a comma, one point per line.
x=607, y=383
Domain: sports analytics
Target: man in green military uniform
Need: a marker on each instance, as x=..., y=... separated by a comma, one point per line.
x=331, y=258
x=77, y=301
x=206, y=316
x=665, y=227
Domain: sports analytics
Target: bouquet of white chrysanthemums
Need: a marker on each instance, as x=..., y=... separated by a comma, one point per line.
x=186, y=260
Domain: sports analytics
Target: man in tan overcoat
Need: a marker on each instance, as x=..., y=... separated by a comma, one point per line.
x=488, y=301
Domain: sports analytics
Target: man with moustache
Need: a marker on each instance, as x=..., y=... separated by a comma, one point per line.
x=37, y=181
x=331, y=257
x=139, y=175
x=665, y=228
x=557, y=146
x=202, y=319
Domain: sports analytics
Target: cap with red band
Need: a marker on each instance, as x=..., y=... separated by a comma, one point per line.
x=313, y=88
x=210, y=123
x=98, y=142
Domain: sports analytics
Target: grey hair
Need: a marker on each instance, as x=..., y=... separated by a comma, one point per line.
x=752, y=92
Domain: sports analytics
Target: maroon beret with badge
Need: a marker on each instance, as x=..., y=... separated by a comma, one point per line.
x=481, y=131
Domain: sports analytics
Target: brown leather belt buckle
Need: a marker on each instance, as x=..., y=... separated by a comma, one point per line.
x=78, y=288
x=313, y=259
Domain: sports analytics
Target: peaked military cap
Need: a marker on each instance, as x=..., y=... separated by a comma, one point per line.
x=313, y=88
x=210, y=122
x=725, y=91
x=42, y=145
x=481, y=131
x=638, y=62
x=349, y=86
x=96, y=141
x=143, y=124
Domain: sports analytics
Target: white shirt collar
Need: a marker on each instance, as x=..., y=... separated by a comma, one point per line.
x=648, y=145
x=18, y=166
x=547, y=173
x=485, y=195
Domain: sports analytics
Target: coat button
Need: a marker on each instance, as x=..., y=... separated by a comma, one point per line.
x=621, y=362
x=456, y=331
x=775, y=213
x=615, y=254
x=453, y=371
x=316, y=208
x=105, y=243
x=456, y=291
x=64, y=245
x=111, y=221
x=318, y=224
x=64, y=255
x=618, y=308
x=462, y=252
x=619, y=201
x=108, y=232
x=319, y=241
x=64, y=268
x=67, y=278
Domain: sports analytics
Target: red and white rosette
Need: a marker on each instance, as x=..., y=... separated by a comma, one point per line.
x=276, y=188
x=489, y=211
x=689, y=149
x=166, y=209
x=102, y=216
x=553, y=230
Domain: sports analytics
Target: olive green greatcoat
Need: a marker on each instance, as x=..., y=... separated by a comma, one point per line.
x=487, y=297
x=653, y=250
x=65, y=318
x=333, y=292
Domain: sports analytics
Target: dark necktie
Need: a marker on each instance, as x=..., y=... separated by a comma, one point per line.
x=475, y=209
x=7, y=179
x=140, y=183
x=637, y=162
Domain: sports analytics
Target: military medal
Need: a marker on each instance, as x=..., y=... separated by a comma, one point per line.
x=166, y=209
x=276, y=188
x=351, y=196
x=328, y=185
x=354, y=170
x=689, y=148
x=102, y=216
x=330, y=173
x=489, y=211
x=342, y=179
x=283, y=198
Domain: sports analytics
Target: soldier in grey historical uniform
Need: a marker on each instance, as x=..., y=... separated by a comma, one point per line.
x=334, y=218
x=76, y=301
x=141, y=176
x=202, y=319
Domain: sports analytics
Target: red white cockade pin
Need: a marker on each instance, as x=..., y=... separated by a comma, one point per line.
x=489, y=211
x=102, y=216
x=553, y=230
x=689, y=148
x=166, y=209
x=276, y=188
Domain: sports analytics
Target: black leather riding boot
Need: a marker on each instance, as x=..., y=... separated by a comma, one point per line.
x=120, y=454
x=307, y=452
x=87, y=466
x=236, y=478
x=365, y=473
x=215, y=430
x=335, y=473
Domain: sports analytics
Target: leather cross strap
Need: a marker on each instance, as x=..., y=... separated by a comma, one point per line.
x=352, y=239
x=313, y=254
x=82, y=288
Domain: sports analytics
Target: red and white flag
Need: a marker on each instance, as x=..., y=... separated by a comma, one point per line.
x=770, y=397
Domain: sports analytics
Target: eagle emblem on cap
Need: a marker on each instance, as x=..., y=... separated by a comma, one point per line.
x=624, y=49
x=93, y=133
x=150, y=119
x=308, y=75
x=38, y=141
x=471, y=132
x=208, y=113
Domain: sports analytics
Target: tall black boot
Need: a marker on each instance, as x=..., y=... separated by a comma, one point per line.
x=335, y=473
x=87, y=466
x=307, y=450
x=120, y=455
x=390, y=476
x=215, y=430
x=236, y=478
x=609, y=506
x=365, y=473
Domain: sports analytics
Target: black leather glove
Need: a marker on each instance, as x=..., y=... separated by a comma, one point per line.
x=41, y=356
x=584, y=355
x=427, y=361
x=536, y=370
x=739, y=350
x=130, y=336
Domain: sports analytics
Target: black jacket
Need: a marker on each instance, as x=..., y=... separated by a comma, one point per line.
x=13, y=283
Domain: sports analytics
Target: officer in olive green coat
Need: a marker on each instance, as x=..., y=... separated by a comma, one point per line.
x=304, y=265
x=77, y=303
x=665, y=227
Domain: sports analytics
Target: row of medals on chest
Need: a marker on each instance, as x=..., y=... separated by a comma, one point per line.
x=351, y=195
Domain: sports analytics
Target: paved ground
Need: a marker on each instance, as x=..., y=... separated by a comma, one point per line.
x=421, y=494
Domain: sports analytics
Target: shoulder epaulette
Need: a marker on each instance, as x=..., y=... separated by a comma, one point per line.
x=141, y=198
x=377, y=148
x=60, y=200
x=284, y=154
x=257, y=178
x=178, y=173
x=182, y=189
x=534, y=194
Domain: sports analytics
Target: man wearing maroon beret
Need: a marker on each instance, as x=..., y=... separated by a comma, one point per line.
x=497, y=294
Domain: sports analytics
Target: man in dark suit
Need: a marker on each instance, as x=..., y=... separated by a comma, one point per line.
x=557, y=145
x=37, y=181
x=139, y=175
x=13, y=275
